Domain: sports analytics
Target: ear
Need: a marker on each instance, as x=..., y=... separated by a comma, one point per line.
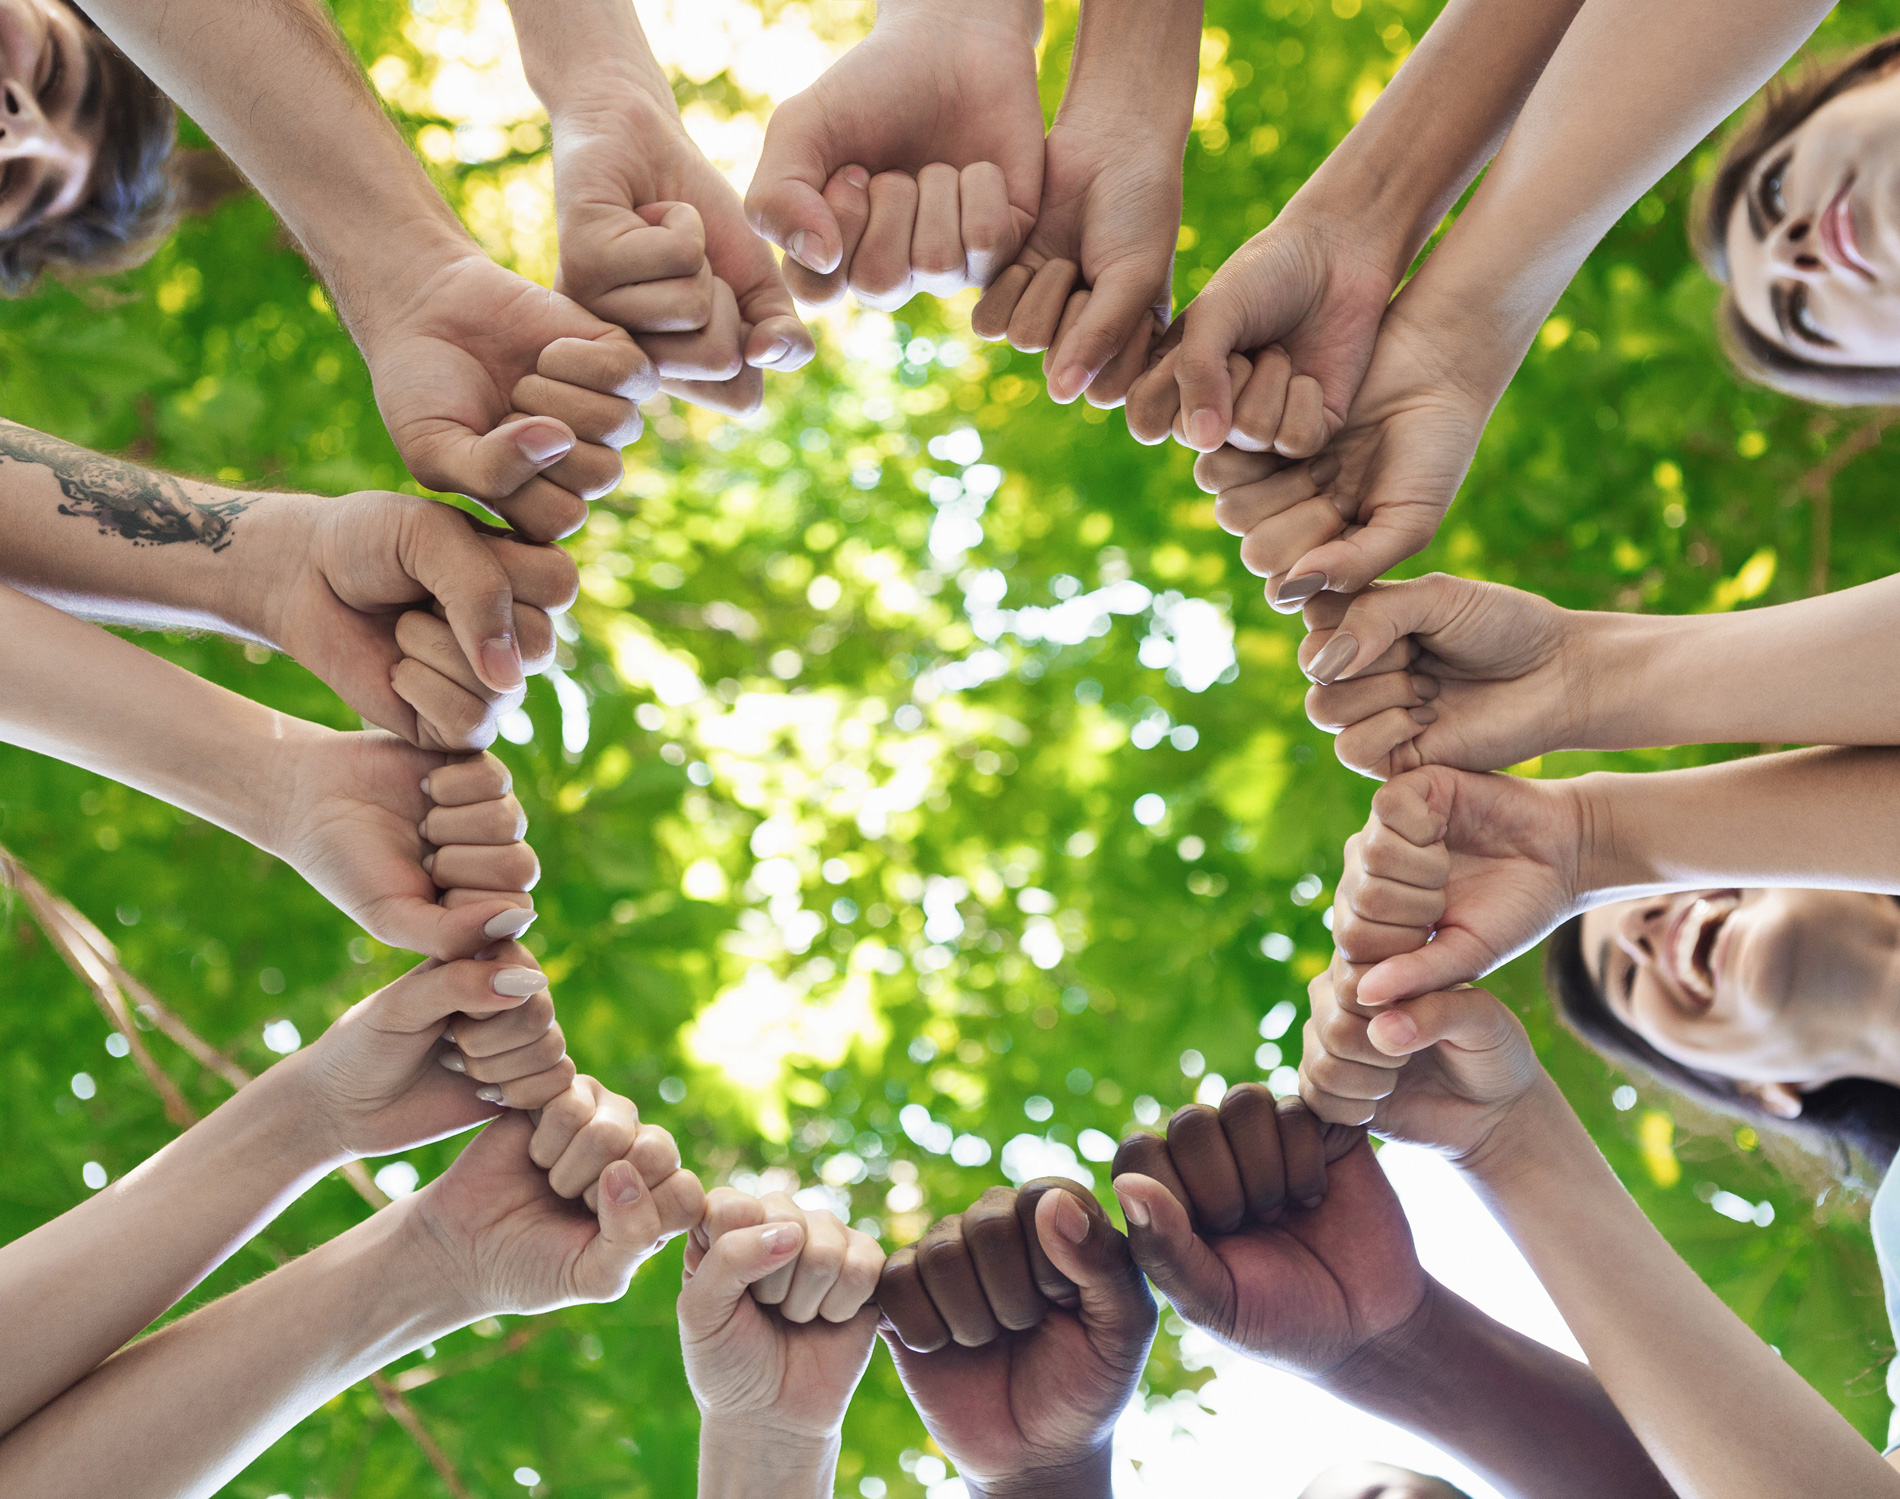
x=1780, y=1099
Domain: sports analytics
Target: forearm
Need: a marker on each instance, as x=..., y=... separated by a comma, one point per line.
x=273, y=83
x=70, y=690
x=1402, y=167
x=182, y=1412
x=1139, y=59
x=571, y=49
x=1630, y=90
x=1762, y=676
x=737, y=1462
x=1722, y=1416
x=1822, y=819
x=1535, y=1423
x=77, y=1289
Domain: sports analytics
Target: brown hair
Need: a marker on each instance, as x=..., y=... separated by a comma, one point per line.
x=1784, y=107
x=128, y=206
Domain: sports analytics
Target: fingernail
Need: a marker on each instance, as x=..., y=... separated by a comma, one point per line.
x=623, y=1183
x=453, y=1061
x=519, y=983
x=1426, y=687
x=510, y=923
x=800, y=244
x=1311, y=1202
x=1424, y=715
x=1071, y=1222
x=1324, y=469
x=428, y=863
x=780, y=348
x=501, y=661
x=490, y=1094
x=539, y=446
x=779, y=1238
x=1133, y=1209
x=1396, y=1031
x=1299, y=590
x=1333, y=657
x=857, y=176
x=425, y=787
x=422, y=829
x=1204, y=429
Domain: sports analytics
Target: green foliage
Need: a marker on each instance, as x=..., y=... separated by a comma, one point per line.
x=747, y=845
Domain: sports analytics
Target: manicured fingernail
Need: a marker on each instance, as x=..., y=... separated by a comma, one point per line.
x=511, y=923
x=1204, y=429
x=1424, y=715
x=539, y=445
x=453, y=1061
x=501, y=661
x=623, y=1183
x=1133, y=1209
x=519, y=983
x=1299, y=590
x=857, y=176
x=490, y=1094
x=779, y=1239
x=1333, y=657
x=1071, y=1222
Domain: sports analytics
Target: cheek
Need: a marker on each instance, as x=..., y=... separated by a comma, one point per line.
x=1865, y=324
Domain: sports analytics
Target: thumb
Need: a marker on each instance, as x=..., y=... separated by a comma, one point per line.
x=446, y=932
x=1113, y=1299
x=1469, y=1019
x=1393, y=531
x=1163, y=1243
x=1454, y=956
x=468, y=580
x=1121, y=297
x=630, y=1230
x=1376, y=620
x=1210, y=330
x=786, y=200
x=737, y=1261
x=450, y=456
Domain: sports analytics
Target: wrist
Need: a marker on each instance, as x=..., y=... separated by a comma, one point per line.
x=405, y=1303
x=1022, y=18
x=1518, y=1145
x=1611, y=842
x=276, y=536
x=1138, y=62
x=1396, y=1369
x=741, y=1456
x=1087, y=1476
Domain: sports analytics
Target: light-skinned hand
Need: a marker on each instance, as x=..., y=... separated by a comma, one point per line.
x=422, y=851
x=500, y=1239
x=1444, y=671
x=776, y=1318
x=507, y=392
x=1273, y=1232
x=915, y=162
x=1454, y=874
x=410, y=1064
x=1020, y=1327
x=1442, y=1070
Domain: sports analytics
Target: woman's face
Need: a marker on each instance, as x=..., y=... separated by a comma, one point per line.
x=1378, y=1481
x=1814, y=238
x=49, y=111
x=1763, y=986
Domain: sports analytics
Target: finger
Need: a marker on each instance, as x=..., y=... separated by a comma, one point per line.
x=1232, y=468
x=1381, y=618
x=1147, y=1155
x=1000, y=1258
x=1262, y=401
x=450, y=716
x=542, y=509
x=1243, y=508
x=460, y=866
x=562, y=1117
x=426, y=640
x=1120, y=299
x=1032, y=327
x=1382, y=855
x=1304, y=1151
x=742, y=395
x=1162, y=1241
x=443, y=931
x=479, y=778
x=847, y=195
x=817, y=1268
x=588, y=471
x=1268, y=548
x=1344, y=1076
x=1305, y=427
x=990, y=318
x=880, y=270
x=857, y=1280
x=907, y=1306
x=1344, y=704
x=540, y=1058
x=486, y=1033
x=1112, y=1296
x=735, y=1263
x=943, y=1260
x=786, y=201
x=1250, y=1122
x=445, y=455
x=1110, y=388
x=608, y=1136
x=428, y=995
x=533, y=1090
x=610, y=365
x=1154, y=400
x=1391, y=533
x=444, y=553
x=1199, y=1150
x=779, y=1208
x=1405, y=807
x=1239, y=371
x=1073, y=311
x=650, y=277
x=1382, y=747
x=1209, y=335
x=609, y=421
x=501, y=821
x=713, y=352
x=1468, y=1020
x=1453, y=957
x=992, y=229
x=936, y=243
x=1396, y=903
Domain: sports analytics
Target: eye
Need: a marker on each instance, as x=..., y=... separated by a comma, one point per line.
x=1801, y=317
x=1768, y=193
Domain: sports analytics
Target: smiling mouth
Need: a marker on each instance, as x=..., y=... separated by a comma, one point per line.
x=1836, y=230
x=1689, y=945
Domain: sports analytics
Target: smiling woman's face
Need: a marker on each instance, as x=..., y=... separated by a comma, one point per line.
x=49, y=111
x=1763, y=986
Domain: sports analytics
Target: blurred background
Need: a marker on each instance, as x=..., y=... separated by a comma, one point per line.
x=924, y=794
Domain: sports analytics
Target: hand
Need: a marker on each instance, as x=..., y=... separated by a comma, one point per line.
x=1274, y=1233
x=500, y=1238
x=1301, y=301
x=421, y=851
x=345, y=586
x=655, y=240
x=1375, y=496
x=776, y=1319
x=1481, y=866
x=1443, y=1070
x=507, y=392
x=1110, y=217
x=1020, y=1327
x=915, y=162
x=1446, y=671
x=445, y=1047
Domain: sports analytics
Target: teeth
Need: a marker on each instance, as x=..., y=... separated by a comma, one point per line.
x=1689, y=958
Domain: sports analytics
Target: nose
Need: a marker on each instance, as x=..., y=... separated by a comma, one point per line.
x=22, y=125
x=1793, y=251
x=1639, y=930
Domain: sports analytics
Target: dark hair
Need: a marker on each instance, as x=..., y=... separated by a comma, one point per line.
x=128, y=205
x=1852, y=1114
x=1785, y=106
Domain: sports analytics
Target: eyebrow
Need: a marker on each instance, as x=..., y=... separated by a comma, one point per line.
x=1778, y=304
x=1603, y=972
x=92, y=99
x=1750, y=202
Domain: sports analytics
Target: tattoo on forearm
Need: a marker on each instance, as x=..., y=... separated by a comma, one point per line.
x=145, y=507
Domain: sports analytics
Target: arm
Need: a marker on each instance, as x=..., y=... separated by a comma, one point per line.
x=1316, y=281
x=348, y=811
x=1630, y=89
x=76, y=1289
x=453, y=342
x=181, y=1412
